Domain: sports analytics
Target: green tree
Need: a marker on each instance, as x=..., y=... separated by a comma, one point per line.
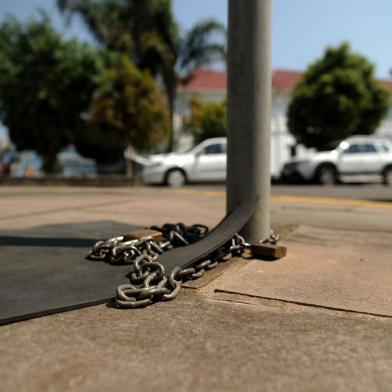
x=337, y=97
x=46, y=85
x=128, y=109
x=207, y=119
x=147, y=32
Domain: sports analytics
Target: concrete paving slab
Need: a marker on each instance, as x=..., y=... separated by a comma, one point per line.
x=196, y=344
x=339, y=270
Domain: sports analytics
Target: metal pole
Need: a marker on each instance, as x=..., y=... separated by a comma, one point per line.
x=249, y=107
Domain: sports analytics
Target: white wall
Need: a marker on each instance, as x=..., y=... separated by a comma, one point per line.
x=281, y=139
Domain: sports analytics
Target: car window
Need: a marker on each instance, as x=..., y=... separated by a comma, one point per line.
x=213, y=149
x=369, y=148
x=366, y=148
x=353, y=149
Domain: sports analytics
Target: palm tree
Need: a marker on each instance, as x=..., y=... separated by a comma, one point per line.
x=147, y=32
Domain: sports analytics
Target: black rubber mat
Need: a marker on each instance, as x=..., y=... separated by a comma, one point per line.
x=44, y=270
x=41, y=274
x=223, y=232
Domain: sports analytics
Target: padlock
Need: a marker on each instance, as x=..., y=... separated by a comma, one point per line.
x=140, y=234
x=268, y=251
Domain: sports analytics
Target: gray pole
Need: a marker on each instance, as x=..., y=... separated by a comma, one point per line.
x=249, y=107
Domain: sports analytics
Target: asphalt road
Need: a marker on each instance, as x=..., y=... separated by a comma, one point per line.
x=370, y=192
x=363, y=192
x=365, y=208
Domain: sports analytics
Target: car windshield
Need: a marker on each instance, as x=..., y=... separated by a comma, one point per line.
x=222, y=148
x=387, y=147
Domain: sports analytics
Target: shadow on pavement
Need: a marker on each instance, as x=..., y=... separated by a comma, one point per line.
x=46, y=241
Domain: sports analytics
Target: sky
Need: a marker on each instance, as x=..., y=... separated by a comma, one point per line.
x=301, y=29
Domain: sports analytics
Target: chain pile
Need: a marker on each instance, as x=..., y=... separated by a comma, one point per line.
x=148, y=280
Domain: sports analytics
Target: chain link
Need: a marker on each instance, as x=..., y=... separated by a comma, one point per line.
x=148, y=280
x=273, y=239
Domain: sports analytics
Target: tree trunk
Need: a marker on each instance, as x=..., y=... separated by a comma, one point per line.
x=170, y=82
x=171, y=97
x=129, y=172
x=50, y=164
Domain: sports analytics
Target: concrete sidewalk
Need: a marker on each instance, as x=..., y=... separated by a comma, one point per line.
x=315, y=321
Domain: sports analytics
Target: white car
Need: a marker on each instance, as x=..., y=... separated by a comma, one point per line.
x=355, y=158
x=205, y=162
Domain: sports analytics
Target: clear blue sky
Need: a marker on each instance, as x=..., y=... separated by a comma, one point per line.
x=301, y=28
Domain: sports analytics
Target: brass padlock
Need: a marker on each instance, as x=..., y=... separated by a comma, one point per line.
x=140, y=234
x=268, y=251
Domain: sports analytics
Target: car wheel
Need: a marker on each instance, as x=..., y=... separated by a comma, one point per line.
x=387, y=177
x=175, y=178
x=326, y=175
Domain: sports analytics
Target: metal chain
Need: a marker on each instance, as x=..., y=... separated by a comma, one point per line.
x=273, y=239
x=148, y=281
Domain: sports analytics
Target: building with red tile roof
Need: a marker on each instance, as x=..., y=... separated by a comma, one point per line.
x=211, y=86
x=282, y=80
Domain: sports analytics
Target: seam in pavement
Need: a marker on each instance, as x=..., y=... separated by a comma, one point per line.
x=298, y=303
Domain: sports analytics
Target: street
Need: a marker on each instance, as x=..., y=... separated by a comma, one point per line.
x=370, y=192
x=291, y=205
x=322, y=206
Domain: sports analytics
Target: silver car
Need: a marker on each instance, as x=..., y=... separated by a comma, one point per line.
x=358, y=158
x=204, y=163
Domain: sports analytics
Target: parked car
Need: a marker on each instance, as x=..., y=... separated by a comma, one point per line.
x=353, y=159
x=205, y=162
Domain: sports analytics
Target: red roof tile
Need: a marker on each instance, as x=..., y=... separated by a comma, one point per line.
x=202, y=79
x=282, y=80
